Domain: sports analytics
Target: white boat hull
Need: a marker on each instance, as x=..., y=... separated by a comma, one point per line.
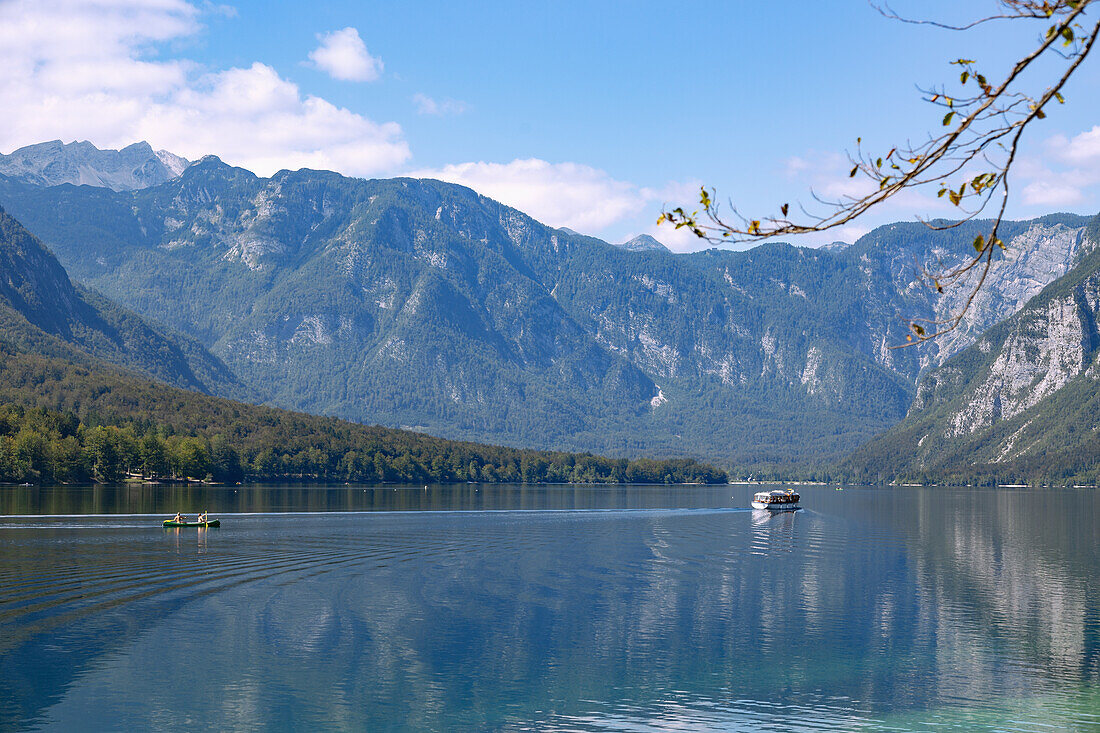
x=776, y=507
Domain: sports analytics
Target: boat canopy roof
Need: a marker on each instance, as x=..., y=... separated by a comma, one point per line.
x=775, y=494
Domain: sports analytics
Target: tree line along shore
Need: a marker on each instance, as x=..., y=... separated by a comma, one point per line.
x=42, y=446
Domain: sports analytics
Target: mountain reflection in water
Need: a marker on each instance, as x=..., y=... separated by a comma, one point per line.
x=550, y=608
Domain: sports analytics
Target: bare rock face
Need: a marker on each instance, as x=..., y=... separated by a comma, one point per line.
x=1040, y=355
x=1020, y=403
x=1033, y=260
x=52, y=163
x=889, y=258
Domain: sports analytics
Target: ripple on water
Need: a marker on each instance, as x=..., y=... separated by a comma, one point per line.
x=908, y=612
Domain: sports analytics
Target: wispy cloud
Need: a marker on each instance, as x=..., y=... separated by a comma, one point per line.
x=1080, y=150
x=1066, y=174
x=826, y=179
x=88, y=69
x=1052, y=194
x=425, y=105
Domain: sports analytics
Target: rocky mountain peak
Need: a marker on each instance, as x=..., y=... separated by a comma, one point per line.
x=81, y=163
x=643, y=243
x=171, y=161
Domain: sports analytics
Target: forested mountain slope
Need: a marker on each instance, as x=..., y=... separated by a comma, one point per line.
x=67, y=416
x=419, y=303
x=34, y=287
x=1022, y=404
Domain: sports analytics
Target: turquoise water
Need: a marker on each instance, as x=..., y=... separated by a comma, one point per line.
x=550, y=608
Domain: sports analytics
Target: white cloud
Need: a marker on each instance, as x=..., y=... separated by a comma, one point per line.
x=1065, y=175
x=1052, y=186
x=828, y=176
x=343, y=55
x=425, y=105
x=89, y=70
x=1081, y=149
x=227, y=11
x=268, y=124
x=559, y=194
x=1050, y=193
x=848, y=234
x=580, y=197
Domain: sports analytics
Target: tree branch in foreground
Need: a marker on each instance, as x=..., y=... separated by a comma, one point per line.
x=969, y=162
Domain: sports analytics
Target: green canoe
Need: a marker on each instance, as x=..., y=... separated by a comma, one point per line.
x=211, y=523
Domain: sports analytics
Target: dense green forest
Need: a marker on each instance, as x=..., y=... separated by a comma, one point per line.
x=67, y=422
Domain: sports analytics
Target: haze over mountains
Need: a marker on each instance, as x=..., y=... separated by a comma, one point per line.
x=417, y=303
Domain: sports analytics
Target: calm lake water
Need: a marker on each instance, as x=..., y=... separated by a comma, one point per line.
x=550, y=609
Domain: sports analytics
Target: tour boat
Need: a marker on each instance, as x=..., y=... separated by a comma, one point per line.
x=776, y=501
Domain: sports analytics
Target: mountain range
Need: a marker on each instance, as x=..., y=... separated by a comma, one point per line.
x=415, y=303
x=81, y=163
x=86, y=392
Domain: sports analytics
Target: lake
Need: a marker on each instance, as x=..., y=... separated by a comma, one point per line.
x=550, y=608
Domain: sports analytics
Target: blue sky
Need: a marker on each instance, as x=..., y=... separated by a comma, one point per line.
x=588, y=115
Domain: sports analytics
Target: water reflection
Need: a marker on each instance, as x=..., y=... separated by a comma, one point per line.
x=873, y=610
x=773, y=531
x=192, y=499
